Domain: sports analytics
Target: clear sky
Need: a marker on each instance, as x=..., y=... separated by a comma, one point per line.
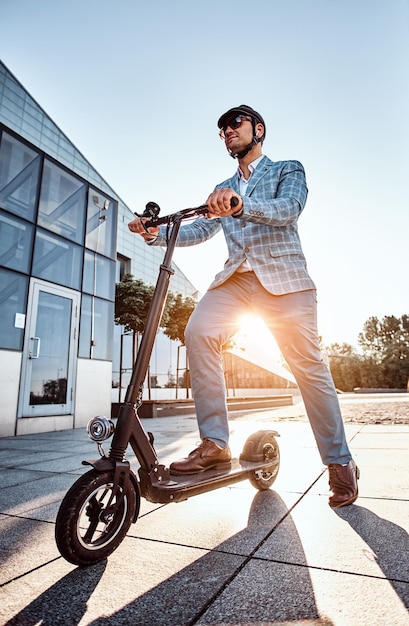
x=138, y=87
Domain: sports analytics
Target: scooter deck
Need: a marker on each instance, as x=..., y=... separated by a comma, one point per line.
x=181, y=487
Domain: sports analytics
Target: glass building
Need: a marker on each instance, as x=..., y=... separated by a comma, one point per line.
x=64, y=242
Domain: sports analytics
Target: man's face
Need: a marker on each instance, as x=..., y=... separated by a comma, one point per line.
x=238, y=136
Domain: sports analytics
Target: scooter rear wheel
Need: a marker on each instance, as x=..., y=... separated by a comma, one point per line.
x=262, y=446
x=86, y=532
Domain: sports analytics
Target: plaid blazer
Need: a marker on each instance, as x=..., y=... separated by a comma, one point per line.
x=266, y=233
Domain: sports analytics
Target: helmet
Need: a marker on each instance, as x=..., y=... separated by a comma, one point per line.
x=243, y=109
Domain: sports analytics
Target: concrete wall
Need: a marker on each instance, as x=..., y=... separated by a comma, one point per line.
x=93, y=393
x=93, y=397
x=10, y=367
x=43, y=424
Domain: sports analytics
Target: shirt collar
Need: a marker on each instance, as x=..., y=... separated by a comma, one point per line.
x=252, y=167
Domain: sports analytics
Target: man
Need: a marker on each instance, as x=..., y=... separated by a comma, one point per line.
x=258, y=209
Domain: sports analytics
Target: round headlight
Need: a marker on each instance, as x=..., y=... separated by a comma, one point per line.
x=100, y=428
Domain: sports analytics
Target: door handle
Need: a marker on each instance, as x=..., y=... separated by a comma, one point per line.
x=35, y=352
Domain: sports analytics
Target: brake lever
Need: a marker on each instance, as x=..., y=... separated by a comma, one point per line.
x=151, y=211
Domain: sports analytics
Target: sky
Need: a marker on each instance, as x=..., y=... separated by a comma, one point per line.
x=138, y=88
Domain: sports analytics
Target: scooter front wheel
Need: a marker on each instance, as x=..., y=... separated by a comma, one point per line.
x=91, y=524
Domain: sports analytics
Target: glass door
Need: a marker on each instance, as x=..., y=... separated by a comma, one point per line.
x=50, y=349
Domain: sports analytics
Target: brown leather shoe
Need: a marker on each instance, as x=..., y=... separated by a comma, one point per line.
x=343, y=482
x=206, y=456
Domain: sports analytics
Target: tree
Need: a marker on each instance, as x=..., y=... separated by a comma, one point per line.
x=132, y=301
x=178, y=312
x=386, y=343
x=345, y=365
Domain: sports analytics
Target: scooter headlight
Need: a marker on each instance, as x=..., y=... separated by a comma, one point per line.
x=100, y=428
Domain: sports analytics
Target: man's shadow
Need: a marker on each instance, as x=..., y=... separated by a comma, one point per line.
x=386, y=540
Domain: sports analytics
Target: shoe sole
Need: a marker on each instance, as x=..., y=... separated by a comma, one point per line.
x=347, y=503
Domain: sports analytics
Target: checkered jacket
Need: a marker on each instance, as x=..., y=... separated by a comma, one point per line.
x=266, y=233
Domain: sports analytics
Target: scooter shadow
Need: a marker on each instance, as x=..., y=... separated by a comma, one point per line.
x=388, y=542
x=264, y=593
x=65, y=603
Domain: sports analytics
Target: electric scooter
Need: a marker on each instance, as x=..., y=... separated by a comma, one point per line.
x=98, y=510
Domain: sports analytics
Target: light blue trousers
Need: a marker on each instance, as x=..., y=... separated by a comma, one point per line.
x=292, y=318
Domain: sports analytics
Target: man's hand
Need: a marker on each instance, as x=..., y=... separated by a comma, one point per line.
x=219, y=203
x=137, y=226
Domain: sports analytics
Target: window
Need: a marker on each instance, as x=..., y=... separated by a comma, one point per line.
x=57, y=260
x=62, y=203
x=19, y=172
x=123, y=266
x=16, y=238
x=13, y=297
x=99, y=276
x=97, y=317
x=101, y=224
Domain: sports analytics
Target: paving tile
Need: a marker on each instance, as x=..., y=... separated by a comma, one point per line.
x=268, y=593
x=142, y=583
x=24, y=546
x=360, y=539
x=31, y=499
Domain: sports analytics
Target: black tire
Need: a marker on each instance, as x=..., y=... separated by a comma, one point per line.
x=262, y=446
x=82, y=534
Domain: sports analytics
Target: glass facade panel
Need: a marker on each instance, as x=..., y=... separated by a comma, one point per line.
x=99, y=276
x=123, y=266
x=13, y=298
x=62, y=203
x=57, y=260
x=96, y=329
x=32, y=132
x=101, y=224
x=19, y=171
x=16, y=240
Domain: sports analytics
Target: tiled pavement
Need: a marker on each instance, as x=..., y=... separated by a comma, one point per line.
x=230, y=557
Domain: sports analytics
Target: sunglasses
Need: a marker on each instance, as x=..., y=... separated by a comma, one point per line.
x=234, y=123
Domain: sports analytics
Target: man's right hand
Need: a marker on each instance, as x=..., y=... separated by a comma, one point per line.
x=220, y=203
x=137, y=226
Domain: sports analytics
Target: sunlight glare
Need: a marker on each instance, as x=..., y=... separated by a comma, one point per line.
x=255, y=343
x=254, y=332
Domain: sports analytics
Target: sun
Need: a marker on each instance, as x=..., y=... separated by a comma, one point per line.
x=255, y=343
x=254, y=332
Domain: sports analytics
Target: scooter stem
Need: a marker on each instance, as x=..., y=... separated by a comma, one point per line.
x=135, y=387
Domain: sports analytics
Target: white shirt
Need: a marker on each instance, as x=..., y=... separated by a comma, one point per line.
x=243, y=184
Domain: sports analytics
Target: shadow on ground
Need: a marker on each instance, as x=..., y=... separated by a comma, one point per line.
x=382, y=537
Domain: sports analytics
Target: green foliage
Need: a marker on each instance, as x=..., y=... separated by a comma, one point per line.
x=132, y=301
x=386, y=341
x=179, y=310
x=385, y=359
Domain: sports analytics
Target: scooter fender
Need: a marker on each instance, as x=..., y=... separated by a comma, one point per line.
x=122, y=473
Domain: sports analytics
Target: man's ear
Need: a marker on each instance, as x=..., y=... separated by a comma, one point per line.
x=259, y=130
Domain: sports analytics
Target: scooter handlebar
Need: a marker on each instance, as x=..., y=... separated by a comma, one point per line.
x=184, y=214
